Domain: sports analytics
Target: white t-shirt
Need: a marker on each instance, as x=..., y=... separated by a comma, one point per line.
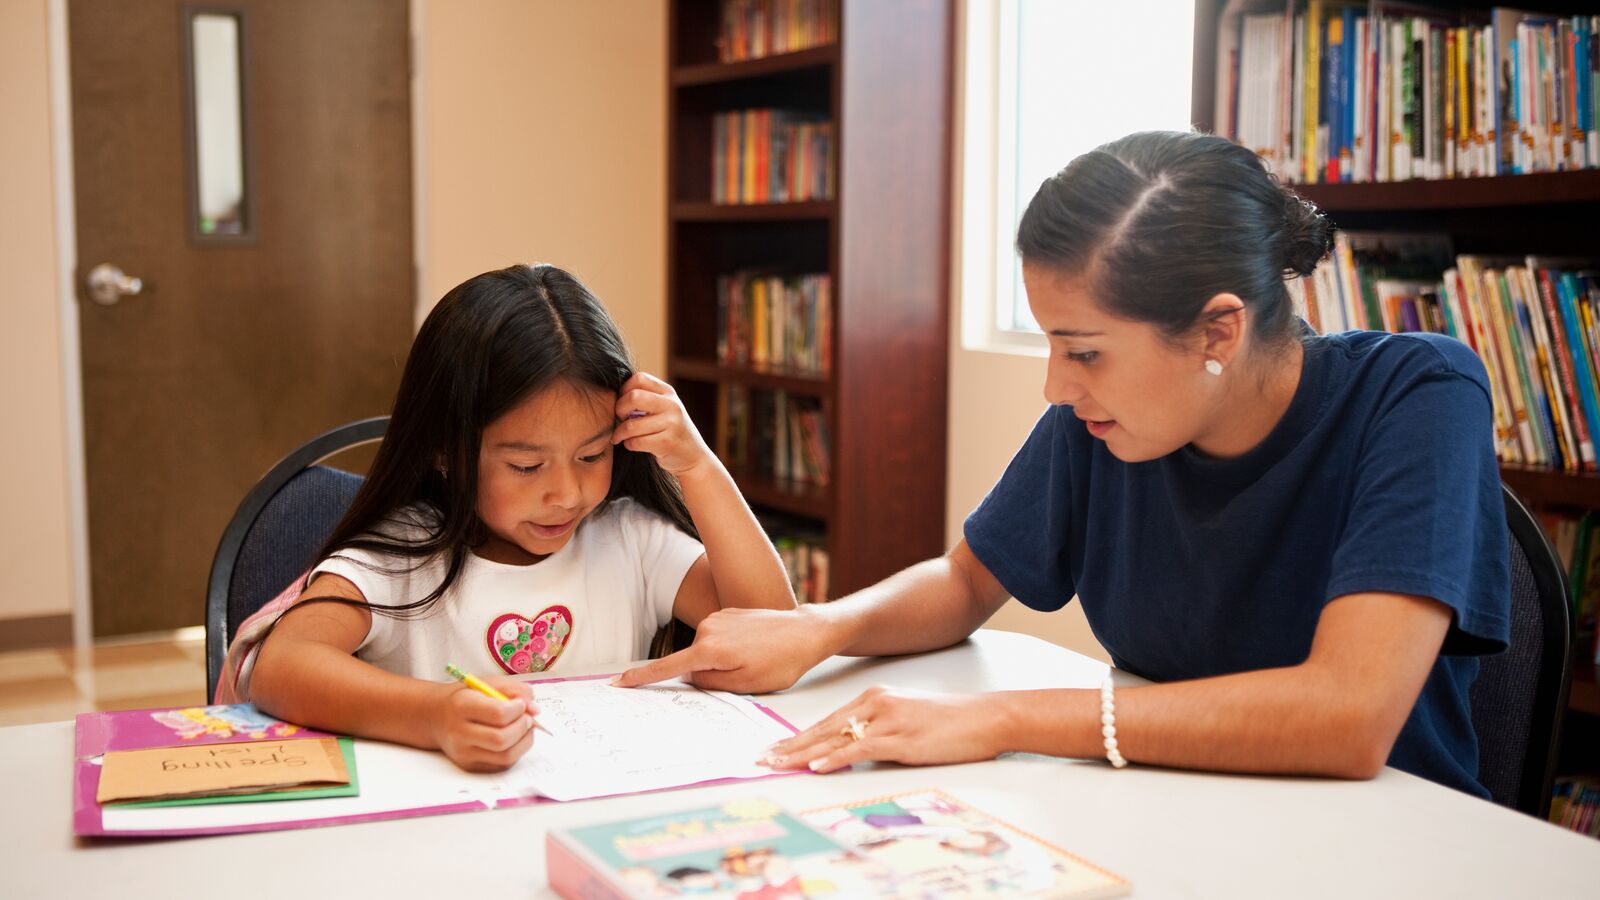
x=597, y=600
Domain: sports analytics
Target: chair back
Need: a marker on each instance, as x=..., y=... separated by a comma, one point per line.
x=1520, y=695
x=277, y=530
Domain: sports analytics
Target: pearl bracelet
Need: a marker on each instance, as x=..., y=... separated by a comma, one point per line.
x=1108, y=724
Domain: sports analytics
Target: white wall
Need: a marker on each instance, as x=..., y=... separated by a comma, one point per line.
x=35, y=560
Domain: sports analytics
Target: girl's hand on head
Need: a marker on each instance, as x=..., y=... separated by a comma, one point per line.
x=916, y=728
x=654, y=421
x=482, y=734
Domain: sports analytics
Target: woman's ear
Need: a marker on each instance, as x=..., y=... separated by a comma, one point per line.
x=1224, y=320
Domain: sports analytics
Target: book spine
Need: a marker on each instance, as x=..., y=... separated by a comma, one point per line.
x=1332, y=170
x=1488, y=351
x=1594, y=90
x=1558, y=319
x=1540, y=382
x=1565, y=287
x=1516, y=337
x=1568, y=407
x=573, y=876
x=1309, y=168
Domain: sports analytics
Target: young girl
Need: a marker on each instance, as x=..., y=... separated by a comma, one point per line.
x=536, y=505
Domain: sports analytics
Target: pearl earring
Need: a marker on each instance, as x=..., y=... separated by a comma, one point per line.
x=1214, y=367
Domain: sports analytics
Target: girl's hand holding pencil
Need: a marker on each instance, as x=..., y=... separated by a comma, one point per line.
x=483, y=734
x=653, y=420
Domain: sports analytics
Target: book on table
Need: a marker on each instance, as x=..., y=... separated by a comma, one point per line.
x=909, y=845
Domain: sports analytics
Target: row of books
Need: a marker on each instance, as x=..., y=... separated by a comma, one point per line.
x=803, y=548
x=1576, y=539
x=1331, y=90
x=1532, y=320
x=771, y=156
x=806, y=560
x=751, y=29
x=772, y=433
x=774, y=321
x=1575, y=805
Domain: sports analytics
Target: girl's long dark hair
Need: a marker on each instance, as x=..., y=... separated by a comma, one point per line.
x=489, y=343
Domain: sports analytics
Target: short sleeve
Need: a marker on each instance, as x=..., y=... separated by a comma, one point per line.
x=1020, y=532
x=363, y=569
x=664, y=553
x=1426, y=515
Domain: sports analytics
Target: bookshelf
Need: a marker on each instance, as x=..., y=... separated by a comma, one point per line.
x=1550, y=213
x=882, y=239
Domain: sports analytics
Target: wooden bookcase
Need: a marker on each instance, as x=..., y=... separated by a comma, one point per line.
x=1552, y=213
x=883, y=239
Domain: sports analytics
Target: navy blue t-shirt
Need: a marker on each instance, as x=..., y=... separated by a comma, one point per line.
x=1380, y=476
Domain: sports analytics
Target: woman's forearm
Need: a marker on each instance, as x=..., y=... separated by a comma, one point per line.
x=744, y=565
x=930, y=605
x=1284, y=721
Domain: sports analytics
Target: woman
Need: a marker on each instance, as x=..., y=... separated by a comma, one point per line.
x=1299, y=538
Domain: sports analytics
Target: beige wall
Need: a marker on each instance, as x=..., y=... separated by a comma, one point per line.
x=545, y=140
x=994, y=400
x=35, y=566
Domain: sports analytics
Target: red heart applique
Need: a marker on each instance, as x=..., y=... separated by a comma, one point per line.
x=522, y=645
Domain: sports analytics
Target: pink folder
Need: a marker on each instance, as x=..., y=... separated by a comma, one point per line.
x=98, y=733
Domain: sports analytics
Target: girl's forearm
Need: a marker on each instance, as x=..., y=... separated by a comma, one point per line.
x=317, y=685
x=744, y=565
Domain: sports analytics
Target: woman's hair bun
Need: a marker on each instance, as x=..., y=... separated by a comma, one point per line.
x=1307, y=234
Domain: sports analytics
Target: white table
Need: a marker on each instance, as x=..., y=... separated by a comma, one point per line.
x=1173, y=834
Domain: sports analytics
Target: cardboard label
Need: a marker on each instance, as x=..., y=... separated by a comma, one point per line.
x=220, y=769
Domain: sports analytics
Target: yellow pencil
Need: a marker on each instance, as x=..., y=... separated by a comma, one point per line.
x=477, y=684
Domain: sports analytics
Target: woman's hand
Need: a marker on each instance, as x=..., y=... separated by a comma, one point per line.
x=653, y=421
x=747, y=651
x=916, y=728
x=482, y=734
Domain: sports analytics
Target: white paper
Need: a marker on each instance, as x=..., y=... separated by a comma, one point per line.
x=606, y=740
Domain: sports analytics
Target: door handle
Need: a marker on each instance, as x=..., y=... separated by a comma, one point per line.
x=109, y=284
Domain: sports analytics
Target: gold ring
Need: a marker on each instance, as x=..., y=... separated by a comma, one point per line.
x=855, y=730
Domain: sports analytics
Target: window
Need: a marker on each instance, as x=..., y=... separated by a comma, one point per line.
x=1045, y=81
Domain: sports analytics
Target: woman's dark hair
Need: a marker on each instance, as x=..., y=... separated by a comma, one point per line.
x=491, y=342
x=1159, y=222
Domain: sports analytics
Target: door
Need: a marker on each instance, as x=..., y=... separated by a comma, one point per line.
x=249, y=163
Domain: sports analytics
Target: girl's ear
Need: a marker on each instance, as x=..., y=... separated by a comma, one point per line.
x=1224, y=319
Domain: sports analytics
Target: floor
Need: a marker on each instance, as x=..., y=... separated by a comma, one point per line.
x=52, y=684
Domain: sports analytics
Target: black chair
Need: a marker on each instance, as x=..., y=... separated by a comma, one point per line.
x=276, y=531
x=1520, y=695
